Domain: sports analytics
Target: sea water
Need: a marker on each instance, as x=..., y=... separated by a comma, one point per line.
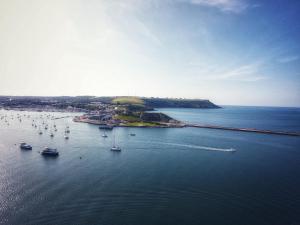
x=161, y=176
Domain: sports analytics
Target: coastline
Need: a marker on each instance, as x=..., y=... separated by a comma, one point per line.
x=161, y=125
x=177, y=124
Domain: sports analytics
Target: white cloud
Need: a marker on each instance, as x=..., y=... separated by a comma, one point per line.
x=288, y=59
x=245, y=73
x=235, y=6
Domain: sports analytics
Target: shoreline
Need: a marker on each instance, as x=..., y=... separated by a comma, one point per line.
x=95, y=122
x=161, y=125
x=183, y=125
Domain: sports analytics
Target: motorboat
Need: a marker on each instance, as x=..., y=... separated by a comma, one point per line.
x=115, y=148
x=25, y=146
x=50, y=152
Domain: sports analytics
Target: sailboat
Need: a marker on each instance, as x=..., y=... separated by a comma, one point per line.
x=115, y=147
x=40, y=131
x=67, y=130
x=104, y=135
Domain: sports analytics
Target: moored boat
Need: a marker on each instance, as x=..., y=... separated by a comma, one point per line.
x=25, y=146
x=106, y=127
x=50, y=152
x=115, y=148
x=104, y=135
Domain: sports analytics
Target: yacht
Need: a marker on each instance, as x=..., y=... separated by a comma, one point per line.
x=50, y=152
x=67, y=129
x=51, y=135
x=115, y=147
x=25, y=146
x=104, y=135
x=66, y=137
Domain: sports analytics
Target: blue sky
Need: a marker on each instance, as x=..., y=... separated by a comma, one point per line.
x=229, y=51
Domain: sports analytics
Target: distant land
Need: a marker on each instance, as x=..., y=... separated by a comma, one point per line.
x=119, y=111
x=92, y=102
x=126, y=111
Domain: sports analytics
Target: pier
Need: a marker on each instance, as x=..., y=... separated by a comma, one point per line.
x=253, y=130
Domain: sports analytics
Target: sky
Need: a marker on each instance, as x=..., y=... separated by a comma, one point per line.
x=232, y=52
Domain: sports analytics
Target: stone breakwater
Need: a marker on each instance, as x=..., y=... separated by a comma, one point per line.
x=244, y=129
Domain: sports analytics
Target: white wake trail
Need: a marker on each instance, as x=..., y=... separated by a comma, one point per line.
x=202, y=147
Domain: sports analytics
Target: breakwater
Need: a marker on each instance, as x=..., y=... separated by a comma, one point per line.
x=244, y=129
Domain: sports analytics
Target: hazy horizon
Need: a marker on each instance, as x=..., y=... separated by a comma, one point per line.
x=231, y=52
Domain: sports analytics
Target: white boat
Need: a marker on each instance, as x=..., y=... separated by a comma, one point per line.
x=66, y=137
x=115, y=147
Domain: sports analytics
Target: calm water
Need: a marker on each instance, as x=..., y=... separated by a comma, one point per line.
x=162, y=176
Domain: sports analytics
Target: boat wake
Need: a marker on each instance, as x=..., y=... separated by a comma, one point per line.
x=206, y=148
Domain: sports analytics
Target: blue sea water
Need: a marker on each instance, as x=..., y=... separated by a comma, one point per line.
x=162, y=176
